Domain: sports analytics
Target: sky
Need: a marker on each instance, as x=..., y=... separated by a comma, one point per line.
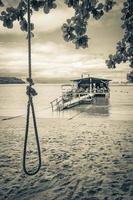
x=52, y=57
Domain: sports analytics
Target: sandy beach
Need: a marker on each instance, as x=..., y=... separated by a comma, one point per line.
x=82, y=159
x=73, y=62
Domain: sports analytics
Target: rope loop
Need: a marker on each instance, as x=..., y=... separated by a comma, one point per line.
x=30, y=106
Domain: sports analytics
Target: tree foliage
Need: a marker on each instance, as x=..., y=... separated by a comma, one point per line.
x=75, y=28
x=124, y=48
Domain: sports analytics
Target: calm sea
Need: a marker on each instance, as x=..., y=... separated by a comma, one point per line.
x=13, y=103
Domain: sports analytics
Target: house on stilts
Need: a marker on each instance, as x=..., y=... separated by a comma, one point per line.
x=84, y=90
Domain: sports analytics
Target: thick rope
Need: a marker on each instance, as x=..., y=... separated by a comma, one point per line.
x=30, y=106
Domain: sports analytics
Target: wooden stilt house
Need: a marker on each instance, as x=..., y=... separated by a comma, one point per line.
x=83, y=90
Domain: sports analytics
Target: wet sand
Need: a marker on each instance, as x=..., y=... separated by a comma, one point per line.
x=82, y=159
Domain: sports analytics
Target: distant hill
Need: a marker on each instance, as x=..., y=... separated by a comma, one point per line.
x=11, y=80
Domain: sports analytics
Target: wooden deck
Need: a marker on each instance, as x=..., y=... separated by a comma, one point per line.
x=76, y=101
x=59, y=104
x=77, y=98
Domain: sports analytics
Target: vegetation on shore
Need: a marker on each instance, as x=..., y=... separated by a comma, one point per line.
x=11, y=80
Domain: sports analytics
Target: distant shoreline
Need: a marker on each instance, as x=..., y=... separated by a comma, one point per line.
x=11, y=80
x=14, y=80
x=113, y=84
x=121, y=84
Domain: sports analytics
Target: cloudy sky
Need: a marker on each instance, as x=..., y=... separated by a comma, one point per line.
x=52, y=57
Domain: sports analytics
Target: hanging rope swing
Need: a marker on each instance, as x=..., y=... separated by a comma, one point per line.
x=30, y=105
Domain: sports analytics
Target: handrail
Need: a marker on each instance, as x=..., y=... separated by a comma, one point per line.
x=56, y=99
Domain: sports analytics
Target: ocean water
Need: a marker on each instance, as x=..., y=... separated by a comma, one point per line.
x=13, y=102
x=86, y=158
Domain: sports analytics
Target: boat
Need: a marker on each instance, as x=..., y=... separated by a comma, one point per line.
x=85, y=90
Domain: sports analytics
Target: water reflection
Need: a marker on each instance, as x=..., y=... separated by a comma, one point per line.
x=100, y=107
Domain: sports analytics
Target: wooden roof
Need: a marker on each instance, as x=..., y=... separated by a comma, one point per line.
x=94, y=79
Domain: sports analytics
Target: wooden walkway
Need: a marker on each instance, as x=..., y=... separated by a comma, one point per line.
x=59, y=104
x=76, y=101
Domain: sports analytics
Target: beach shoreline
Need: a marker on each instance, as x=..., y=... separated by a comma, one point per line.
x=82, y=158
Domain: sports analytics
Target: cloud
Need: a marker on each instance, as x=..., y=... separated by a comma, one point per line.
x=50, y=60
x=51, y=56
x=52, y=21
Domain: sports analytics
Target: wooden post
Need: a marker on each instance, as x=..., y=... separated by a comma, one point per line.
x=63, y=102
x=90, y=88
x=52, y=106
